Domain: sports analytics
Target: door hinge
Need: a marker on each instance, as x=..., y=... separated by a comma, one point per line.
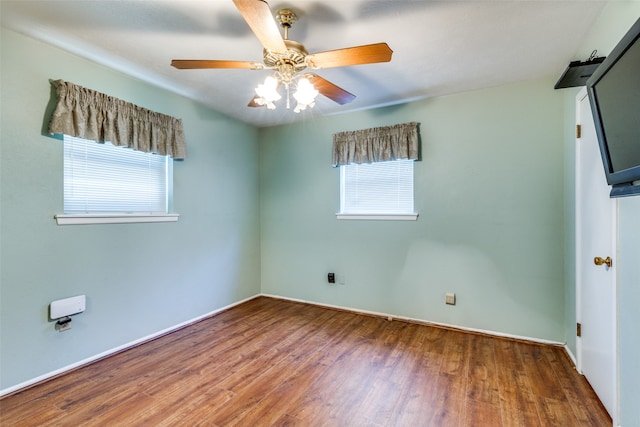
x=579, y=329
x=578, y=131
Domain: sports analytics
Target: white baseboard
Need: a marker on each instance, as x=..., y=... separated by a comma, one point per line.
x=118, y=349
x=422, y=321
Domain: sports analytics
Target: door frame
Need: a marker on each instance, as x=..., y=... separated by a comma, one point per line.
x=582, y=94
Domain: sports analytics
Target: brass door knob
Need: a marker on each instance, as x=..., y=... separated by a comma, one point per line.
x=606, y=261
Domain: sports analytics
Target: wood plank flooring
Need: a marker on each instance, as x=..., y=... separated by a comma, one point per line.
x=270, y=362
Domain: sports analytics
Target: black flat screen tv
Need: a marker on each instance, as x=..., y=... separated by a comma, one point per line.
x=614, y=95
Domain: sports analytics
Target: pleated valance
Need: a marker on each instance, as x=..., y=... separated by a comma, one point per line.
x=373, y=145
x=94, y=116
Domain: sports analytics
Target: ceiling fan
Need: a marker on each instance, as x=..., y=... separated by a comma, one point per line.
x=289, y=59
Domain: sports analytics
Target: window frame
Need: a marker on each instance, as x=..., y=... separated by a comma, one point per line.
x=84, y=219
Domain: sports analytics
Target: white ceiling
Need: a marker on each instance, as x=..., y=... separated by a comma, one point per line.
x=440, y=47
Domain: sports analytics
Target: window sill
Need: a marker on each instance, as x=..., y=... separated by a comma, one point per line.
x=379, y=217
x=79, y=219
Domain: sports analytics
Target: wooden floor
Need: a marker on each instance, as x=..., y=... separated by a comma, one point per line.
x=270, y=362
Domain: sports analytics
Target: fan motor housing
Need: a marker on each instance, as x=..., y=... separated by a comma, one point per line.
x=295, y=55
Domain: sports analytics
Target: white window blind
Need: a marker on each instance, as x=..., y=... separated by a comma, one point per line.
x=102, y=178
x=377, y=188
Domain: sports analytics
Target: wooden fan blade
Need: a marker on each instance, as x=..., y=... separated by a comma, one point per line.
x=261, y=21
x=188, y=64
x=331, y=91
x=367, y=54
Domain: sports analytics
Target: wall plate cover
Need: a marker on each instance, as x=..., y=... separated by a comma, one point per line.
x=450, y=298
x=67, y=307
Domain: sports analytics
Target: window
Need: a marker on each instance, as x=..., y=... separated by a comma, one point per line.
x=103, y=180
x=382, y=190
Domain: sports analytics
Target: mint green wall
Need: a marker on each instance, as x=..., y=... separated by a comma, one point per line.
x=614, y=21
x=138, y=278
x=489, y=192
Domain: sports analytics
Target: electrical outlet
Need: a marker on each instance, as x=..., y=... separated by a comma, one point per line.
x=450, y=298
x=331, y=278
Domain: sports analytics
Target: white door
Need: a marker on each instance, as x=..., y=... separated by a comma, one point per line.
x=596, y=216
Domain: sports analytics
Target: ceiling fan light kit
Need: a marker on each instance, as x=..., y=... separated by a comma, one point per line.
x=267, y=93
x=305, y=95
x=288, y=59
